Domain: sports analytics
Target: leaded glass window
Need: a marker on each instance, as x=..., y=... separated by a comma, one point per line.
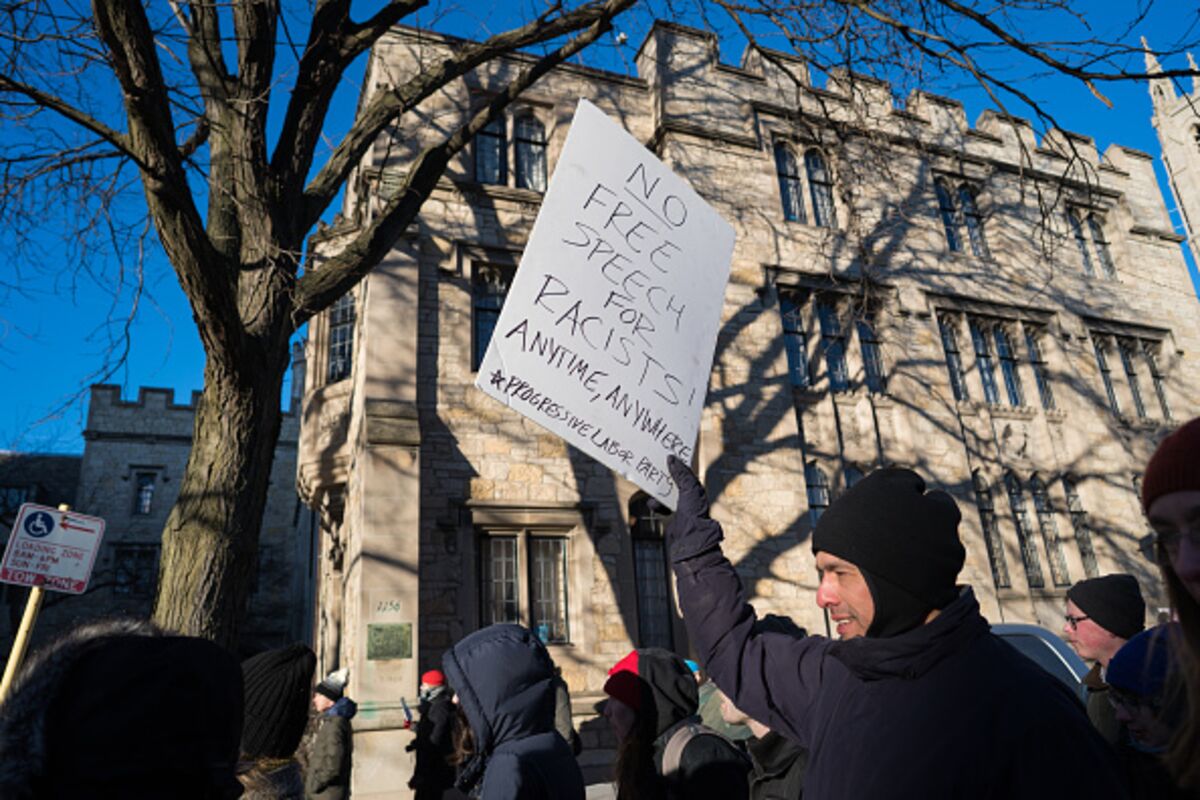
x=1049, y=528
x=548, y=588
x=991, y=532
x=817, y=486
x=872, y=357
x=954, y=365
x=1037, y=361
x=984, y=360
x=788, y=172
x=1016, y=500
x=969, y=206
x=530, y=140
x=1083, y=531
x=949, y=215
x=795, y=342
x=820, y=186
x=341, y=337
x=833, y=343
x=491, y=153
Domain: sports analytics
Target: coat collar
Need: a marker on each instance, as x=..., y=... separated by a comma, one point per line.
x=911, y=654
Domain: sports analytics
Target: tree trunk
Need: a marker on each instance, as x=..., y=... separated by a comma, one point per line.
x=210, y=542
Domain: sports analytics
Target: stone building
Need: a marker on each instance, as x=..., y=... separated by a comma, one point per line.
x=134, y=455
x=1176, y=119
x=1009, y=316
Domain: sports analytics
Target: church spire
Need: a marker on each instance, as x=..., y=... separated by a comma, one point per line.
x=1159, y=87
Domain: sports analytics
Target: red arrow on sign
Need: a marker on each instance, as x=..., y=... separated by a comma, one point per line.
x=66, y=523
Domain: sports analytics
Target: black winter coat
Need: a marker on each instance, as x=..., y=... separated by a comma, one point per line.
x=778, y=768
x=946, y=710
x=328, y=774
x=503, y=677
x=433, y=745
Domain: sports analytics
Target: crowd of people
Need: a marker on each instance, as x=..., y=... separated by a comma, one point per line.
x=914, y=698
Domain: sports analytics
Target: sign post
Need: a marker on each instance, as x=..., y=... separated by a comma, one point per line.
x=607, y=333
x=48, y=548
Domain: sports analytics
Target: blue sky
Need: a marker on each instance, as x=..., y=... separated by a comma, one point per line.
x=53, y=332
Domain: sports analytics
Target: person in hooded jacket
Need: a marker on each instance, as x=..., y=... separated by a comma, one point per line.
x=503, y=680
x=664, y=750
x=919, y=699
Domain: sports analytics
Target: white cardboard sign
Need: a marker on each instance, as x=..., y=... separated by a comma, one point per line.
x=607, y=333
x=52, y=549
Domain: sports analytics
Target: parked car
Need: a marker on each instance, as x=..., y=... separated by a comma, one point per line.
x=1049, y=652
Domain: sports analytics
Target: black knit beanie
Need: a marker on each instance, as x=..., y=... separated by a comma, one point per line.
x=903, y=539
x=1114, y=602
x=278, y=686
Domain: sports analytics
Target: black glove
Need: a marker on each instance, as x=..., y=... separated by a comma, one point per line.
x=690, y=531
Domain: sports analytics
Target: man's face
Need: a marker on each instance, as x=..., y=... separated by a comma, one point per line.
x=321, y=703
x=1175, y=517
x=1088, y=639
x=845, y=595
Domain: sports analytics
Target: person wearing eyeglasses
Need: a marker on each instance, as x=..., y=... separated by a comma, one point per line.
x=1102, y=615
x=1171, y=500
x=1143, y=695
x=918, y=699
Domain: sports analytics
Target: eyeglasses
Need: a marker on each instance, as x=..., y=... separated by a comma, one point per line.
x=1170, y=541
x=1073, y=621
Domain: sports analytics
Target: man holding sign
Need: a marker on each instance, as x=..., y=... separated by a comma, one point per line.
x=919, y=699
x=607, y=333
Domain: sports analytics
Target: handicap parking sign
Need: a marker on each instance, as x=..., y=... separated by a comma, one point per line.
x=39, y=524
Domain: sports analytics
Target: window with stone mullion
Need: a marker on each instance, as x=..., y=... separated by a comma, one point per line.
x=820, y=186
x=1127, y=349
x=968, y=205
x=1009, y=365
x=817, y=486
x=954, y=365
x=1049, y=528
x=1096, y=227
x=984, y=360
x=530, y=139
x=795, y=341
x=991, y=532
x=1016, y=500
x=1083, y=532
x=1100, y=344
x=790, y=192
x=949, y=215
x=1149, y=352
x=491, y=153
x=1081, y=242
x=1041, y=373
x=833, y=342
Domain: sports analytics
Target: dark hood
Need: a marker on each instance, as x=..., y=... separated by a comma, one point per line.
x=659, y=684
x=503, y=678
x=912, y=654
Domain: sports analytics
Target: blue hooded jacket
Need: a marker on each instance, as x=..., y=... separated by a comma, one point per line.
x=503, y=678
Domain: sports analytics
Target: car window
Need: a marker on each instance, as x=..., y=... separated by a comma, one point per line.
x=1034, y=648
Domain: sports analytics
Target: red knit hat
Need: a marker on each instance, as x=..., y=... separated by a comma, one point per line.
x=1175, y=465
x=623, y=683
x=433, y=677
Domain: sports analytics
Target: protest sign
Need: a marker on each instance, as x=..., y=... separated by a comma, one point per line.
x=51, y=548
x=607, y=333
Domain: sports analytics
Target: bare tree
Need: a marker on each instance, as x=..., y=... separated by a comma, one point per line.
x=231, y=206
x=196, y=84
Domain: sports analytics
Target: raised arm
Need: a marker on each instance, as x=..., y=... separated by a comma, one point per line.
x=773, y=677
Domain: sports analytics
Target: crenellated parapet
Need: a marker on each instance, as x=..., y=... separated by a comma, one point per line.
x=154, y=415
